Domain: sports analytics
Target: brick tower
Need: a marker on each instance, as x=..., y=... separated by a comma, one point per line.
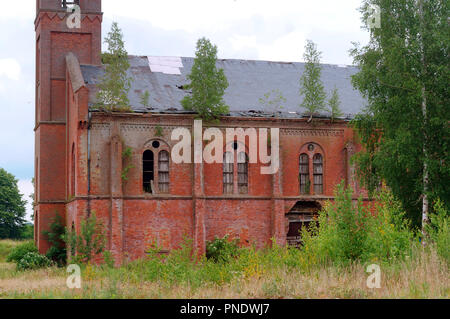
x=54, y=40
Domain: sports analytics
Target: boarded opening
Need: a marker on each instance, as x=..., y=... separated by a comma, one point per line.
x=299, y=217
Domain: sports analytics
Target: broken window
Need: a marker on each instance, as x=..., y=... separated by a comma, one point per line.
x=148, y=171
x=304, y=174
x=72, y=191
x=228, y=173
x=242, y=173
x=163, y=172
x=318, y=173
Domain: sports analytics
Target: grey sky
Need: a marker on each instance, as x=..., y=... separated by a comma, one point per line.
x=245, y=29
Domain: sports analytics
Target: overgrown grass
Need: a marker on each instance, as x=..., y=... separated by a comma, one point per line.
x=331, y=263
x=269, y=273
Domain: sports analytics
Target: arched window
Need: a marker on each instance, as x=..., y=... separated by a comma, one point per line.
x=163, y=172
x=304, y=174
x=318, y=173
x=148, y=162
x=243, y=173
x=228, y=173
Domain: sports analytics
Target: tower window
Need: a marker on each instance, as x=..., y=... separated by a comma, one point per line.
x=318, y=173
x=304, y=174
x=148, y=171
x=163, y=171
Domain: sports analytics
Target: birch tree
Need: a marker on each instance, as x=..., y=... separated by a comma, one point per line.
x=404, y=74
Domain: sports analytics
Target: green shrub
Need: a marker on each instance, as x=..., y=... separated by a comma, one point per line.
x=222, y=249
x=20, y=251
x=439, y=230
x=348, y=231
x=57, y=251
x=33, y=260
x=89, y=242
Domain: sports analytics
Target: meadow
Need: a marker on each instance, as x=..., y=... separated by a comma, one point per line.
x=332, y=262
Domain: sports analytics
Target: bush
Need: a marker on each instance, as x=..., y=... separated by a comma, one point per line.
x=20, y=251
x=222, y=249
x=57, y=251
x=439, y=230
x=89, y=242
x=347, y=232
x=33, y=260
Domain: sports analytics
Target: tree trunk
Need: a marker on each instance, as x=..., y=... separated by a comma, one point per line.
x=425, y=203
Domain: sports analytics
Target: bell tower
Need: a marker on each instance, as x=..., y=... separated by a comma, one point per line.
x=57, y=34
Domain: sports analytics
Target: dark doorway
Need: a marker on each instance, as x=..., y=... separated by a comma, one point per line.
x=298, y=218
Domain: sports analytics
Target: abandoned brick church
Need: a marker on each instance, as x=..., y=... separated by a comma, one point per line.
x=79, y=158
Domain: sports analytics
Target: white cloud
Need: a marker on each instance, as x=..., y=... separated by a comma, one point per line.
x=10, y=68
x=26, y=188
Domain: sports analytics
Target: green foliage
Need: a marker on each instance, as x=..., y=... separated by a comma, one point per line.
x=12, y=207
x=222, y=249
x=439, y=230
x=311, y=86
x=55, y=236
x=334, y=105
x=273, y=101
x=20, y=251
x=89, y=242
x=347, y=232
x=126, y=156
x=115, y=84
x=208, y=84
x=145, y=99
x=27, y=231
x=33, y=260
x=158, y=131
x=398, y=137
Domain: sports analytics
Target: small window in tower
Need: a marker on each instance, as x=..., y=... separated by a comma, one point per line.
x=318, y=174
x=148, y=162
x=304, y=174
x=228, y=173
x=163, y=172
x=242, y=173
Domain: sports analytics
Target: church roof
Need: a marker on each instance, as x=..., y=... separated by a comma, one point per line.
x=249, y=81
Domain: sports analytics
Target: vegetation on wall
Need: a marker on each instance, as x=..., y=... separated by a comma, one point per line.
x=334, y=105
x=208, y=84
x=115, y=84
x=89, y=242
x=126, y=157
x=311, y=86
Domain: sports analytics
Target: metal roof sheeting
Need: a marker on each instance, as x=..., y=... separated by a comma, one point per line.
x=249, y=81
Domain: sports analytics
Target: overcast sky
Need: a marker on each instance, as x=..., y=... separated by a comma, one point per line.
x=273, y=30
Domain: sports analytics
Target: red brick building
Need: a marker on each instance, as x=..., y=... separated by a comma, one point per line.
x=79, y=161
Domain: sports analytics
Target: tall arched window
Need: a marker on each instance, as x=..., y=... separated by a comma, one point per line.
x=318, y=173
x=148, y=162
x=228, y=173
x=242, y=173
x=304, y=174
x=163, y=172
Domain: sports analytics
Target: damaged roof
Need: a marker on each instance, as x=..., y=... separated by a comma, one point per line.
x=165, y=78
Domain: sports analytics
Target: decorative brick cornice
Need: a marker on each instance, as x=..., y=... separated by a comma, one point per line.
x=312, y=132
